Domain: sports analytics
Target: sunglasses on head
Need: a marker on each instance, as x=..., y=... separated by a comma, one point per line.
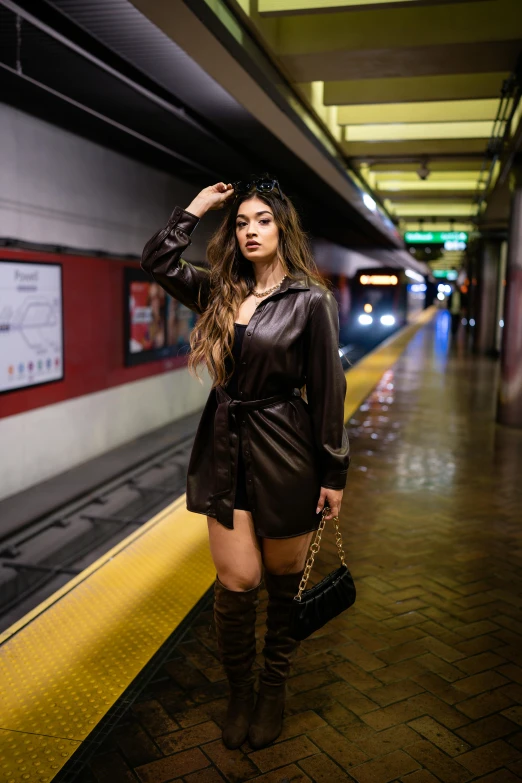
x=261, y=184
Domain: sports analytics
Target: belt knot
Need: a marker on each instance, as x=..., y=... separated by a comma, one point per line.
x=225, y=452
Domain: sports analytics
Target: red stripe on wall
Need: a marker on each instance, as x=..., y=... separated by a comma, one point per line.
x=93, y=301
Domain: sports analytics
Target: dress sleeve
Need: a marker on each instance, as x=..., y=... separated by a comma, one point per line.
x=326, y=391
x=161, y=258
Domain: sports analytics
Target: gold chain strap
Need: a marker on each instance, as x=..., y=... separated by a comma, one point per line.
x=314, y=549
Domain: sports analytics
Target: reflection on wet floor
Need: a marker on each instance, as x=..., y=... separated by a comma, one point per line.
x=421, y=681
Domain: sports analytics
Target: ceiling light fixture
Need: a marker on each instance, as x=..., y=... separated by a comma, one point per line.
x=423, y=171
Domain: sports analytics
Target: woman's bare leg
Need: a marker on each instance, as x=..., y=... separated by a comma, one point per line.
x=286, y=555
x=236, y=553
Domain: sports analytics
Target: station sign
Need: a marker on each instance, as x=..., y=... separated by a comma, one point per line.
x=445, y=274
x=435, y=237
x=31, y=324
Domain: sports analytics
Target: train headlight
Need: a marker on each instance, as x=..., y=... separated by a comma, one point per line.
x=387, y=320
x=365, y=320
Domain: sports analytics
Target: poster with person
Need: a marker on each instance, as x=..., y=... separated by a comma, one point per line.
x=157, y=325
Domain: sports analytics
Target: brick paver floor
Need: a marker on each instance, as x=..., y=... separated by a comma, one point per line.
x=422, y=680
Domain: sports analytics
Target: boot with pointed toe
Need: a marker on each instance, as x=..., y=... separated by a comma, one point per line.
x=267, y=721
x=235, y=621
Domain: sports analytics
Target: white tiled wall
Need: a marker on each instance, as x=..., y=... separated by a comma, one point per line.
x=46, y=441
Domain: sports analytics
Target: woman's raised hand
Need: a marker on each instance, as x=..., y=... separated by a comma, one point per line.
x=213, y=197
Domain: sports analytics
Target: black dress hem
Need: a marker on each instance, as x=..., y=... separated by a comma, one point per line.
x=259, y=535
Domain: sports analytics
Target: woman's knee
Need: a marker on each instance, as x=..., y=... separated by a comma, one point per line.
x=239, y=580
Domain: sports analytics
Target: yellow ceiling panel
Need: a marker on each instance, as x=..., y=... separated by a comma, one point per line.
x=434, y=209
x=271, y=7
x=415, y=225
x=440, y=166
x=419, y=130
x=427, y=185
x=477, y=21
x=428, y=111
x=383, y=177
x=414, y=88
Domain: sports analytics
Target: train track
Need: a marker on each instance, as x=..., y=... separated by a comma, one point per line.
x=41, y=558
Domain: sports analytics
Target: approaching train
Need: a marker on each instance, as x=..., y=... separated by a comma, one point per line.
x=376, y=302
x=384, y=298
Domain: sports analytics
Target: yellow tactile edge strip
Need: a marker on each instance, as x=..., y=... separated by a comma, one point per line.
x=66, y=663
x=367, y=373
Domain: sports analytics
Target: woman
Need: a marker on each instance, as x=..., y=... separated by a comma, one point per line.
x=264, y=462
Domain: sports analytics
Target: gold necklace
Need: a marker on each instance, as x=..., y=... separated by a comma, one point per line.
x=269, y=291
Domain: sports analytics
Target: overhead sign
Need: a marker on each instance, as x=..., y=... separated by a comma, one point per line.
x=434, y=237
x=454, y=245
x=379, y=279
x=445, y=274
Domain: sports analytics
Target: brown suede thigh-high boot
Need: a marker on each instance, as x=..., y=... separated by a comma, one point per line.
x=279, y=650
x=235, y=621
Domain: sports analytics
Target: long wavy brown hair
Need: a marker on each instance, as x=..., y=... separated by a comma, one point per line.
x=232, y=279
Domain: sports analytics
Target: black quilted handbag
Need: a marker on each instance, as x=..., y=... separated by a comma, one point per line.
x=334, y=594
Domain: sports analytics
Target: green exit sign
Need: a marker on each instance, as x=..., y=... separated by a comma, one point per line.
x=445, y=274
x=434, y=237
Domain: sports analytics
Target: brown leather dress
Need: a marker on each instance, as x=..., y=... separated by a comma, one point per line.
x=290, y=446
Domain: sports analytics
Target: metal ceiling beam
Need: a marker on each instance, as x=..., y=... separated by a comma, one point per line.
x=406, y=61
x=176, y=111
x=109, y=121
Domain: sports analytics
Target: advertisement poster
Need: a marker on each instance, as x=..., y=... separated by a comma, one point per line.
x=31, y=324
x=147, y=316
x=158, y=326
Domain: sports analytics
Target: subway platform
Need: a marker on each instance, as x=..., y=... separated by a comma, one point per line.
x=421, y=681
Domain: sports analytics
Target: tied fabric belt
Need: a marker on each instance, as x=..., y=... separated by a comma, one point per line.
x=226, y=448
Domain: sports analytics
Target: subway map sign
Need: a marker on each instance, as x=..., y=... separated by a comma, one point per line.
x=31, y=324
x=435, y=237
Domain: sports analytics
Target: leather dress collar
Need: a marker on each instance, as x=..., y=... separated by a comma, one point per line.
x=301, y=283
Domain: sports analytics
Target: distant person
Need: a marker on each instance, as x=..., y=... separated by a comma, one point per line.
x=264, y=462
x=455, y=309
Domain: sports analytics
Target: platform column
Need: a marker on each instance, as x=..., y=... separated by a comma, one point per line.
x=509, y=409
x=489, y=281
